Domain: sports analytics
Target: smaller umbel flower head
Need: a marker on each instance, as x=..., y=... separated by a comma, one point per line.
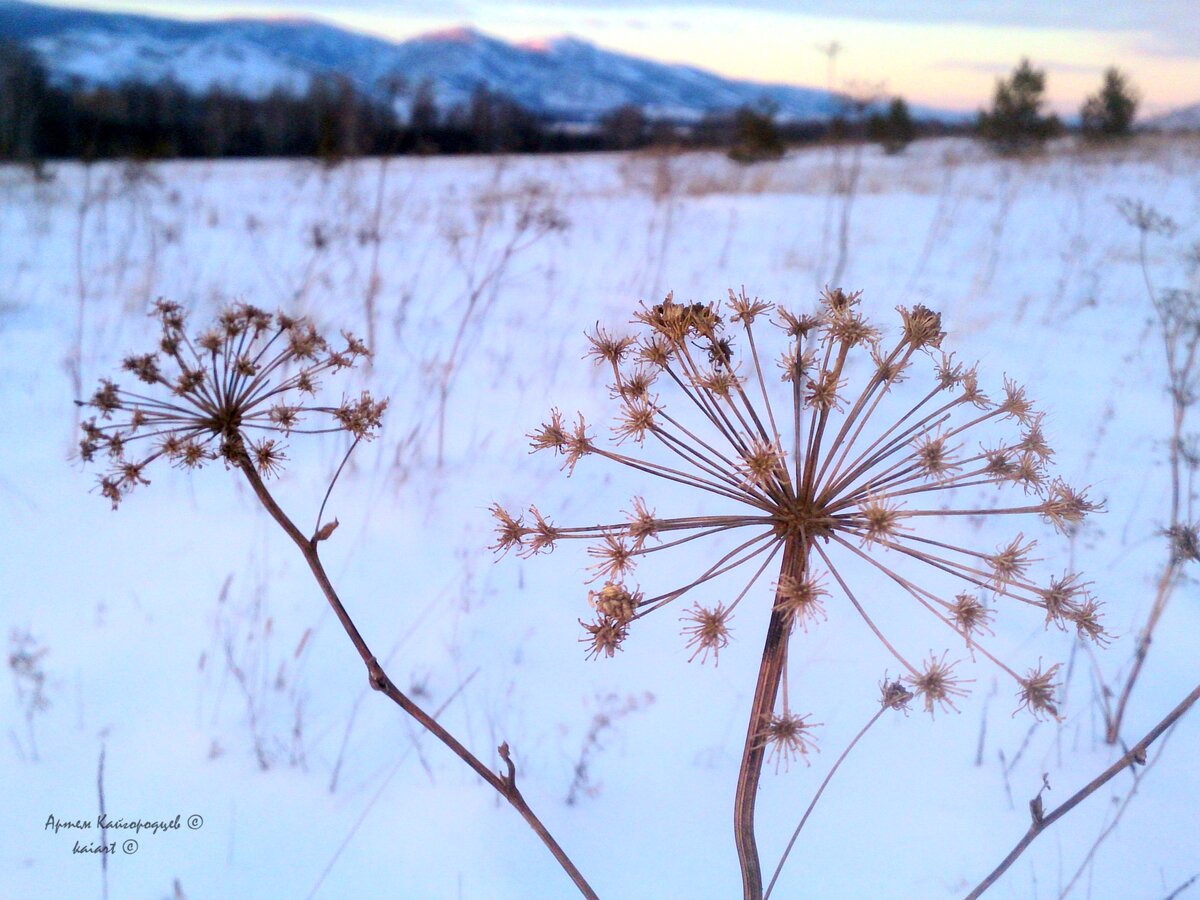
x=220, y=394
x=787, y=735
x=708, y=631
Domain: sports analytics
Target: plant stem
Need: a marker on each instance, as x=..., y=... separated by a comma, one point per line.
x=770, y=674
x=506, y=784
x=817, y=796
x=1136, y=754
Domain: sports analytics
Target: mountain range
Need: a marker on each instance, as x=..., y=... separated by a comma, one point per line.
x=563, y=79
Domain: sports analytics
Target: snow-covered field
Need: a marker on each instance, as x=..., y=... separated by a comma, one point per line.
x=184, y=636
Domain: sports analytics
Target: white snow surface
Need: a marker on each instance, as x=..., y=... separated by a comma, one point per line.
x=149, y=615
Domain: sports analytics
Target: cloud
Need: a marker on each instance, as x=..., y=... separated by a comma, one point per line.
x=1165, y=27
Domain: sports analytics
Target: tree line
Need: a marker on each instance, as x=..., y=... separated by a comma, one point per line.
x=333, y=119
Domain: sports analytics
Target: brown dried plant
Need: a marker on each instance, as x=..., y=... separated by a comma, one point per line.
x=233, y=392
x=835, y=475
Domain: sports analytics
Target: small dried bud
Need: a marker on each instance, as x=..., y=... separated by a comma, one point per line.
x=893, y=694
x=615, y=601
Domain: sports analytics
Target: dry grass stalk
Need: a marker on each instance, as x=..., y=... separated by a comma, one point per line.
x=234, y=392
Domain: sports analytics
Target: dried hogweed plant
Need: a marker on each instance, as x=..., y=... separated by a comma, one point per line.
x=875, y=439
x=235, y=392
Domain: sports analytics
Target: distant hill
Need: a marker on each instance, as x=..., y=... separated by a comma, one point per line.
x=1186, y=118
x=563, y=79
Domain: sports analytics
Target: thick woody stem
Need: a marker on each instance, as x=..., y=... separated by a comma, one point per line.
x=505, y=785
x=770, y=674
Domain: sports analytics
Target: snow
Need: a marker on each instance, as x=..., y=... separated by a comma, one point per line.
x=147, y=612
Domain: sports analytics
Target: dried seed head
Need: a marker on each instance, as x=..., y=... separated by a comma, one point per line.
x=922, y=327
x=1015, y=404
x=787, y=735
x=606, y=348
x=850, y=329
x=642, y=523
x=721, y=382
x=893, y=694
x=708, y=631
x=1066, y=507
x=1185, y=542
x=1086, y=618
x=1037, y=693
x=968, y=380
x=637, y=418
x=603, y=637
x=746, y=310
x=799, y=599
x=823, y=391
x=796, y=365
x=949, y=373
x=1010, y=561
x=889, y=367
x=145, y=367
x=938, y=685
x=267, y=456
x=838, y=301
x=655, y=351
x=551, y=435
x=933, y=458
x=880, y=518
x=361, y=417
x=510, y=532
x=1000, y=464
x=970, y=616
x=1033, y=441
x=616, y=602
x=797, y=327
x=1062, y=597
x=616, y=559
x=636, y=385
x=761, y=464
x=579, y=444
x=541, y=535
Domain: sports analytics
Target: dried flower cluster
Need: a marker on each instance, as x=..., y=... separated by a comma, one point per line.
x=230, y=392
x=875, y=439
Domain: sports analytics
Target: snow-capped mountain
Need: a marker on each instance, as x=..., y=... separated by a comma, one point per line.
x=1186, y=118
x=563, y=78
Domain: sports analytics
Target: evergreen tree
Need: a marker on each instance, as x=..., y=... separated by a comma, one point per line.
x=756, y=136
x=1108, y=115
x=1015, y=123
x=893, y=129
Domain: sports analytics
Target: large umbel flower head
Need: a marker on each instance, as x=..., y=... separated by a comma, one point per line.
x=231, y=392
x=870, y=441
